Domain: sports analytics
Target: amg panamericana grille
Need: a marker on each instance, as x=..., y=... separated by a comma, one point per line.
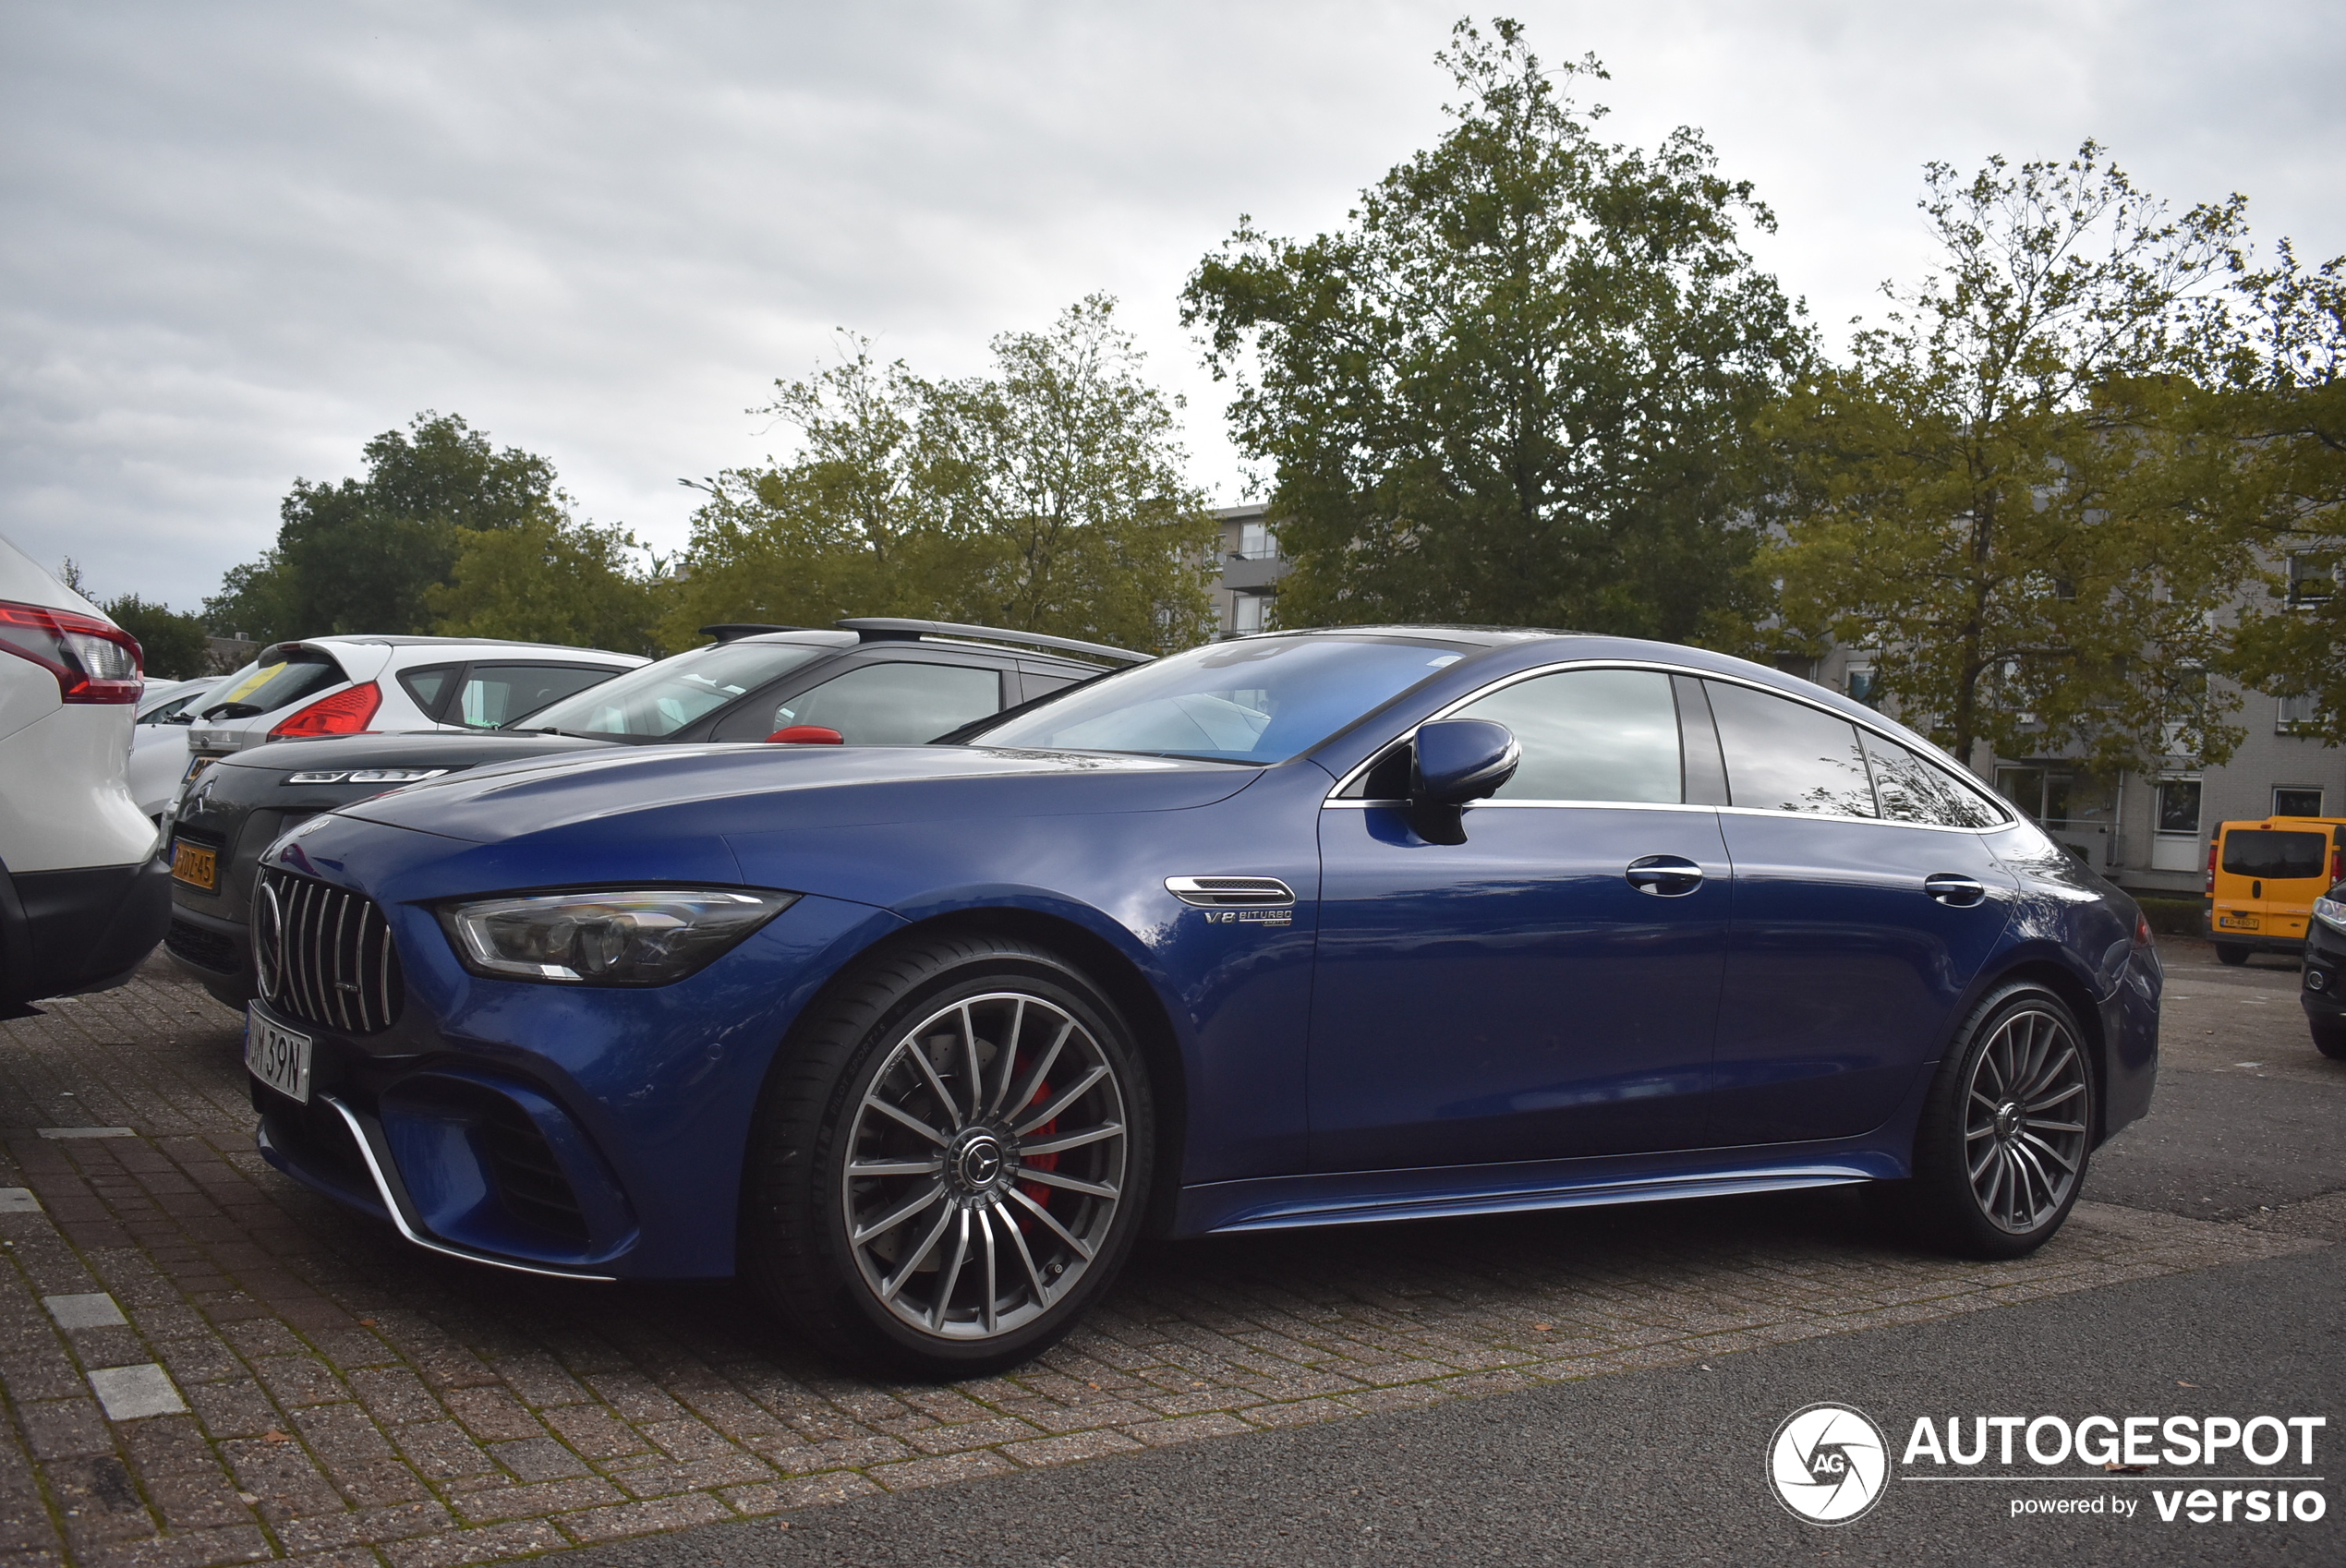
x=326, y=956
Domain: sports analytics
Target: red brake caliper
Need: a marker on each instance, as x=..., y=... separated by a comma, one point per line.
x=1036, y=1189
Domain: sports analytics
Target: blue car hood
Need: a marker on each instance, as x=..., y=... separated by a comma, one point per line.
x=736, y=789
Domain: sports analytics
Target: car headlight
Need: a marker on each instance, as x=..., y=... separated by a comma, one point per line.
x=648, y=937
x=2331, y=913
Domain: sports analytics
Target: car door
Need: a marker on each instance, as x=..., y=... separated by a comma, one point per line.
x=1862, y=916
x=1548, y=987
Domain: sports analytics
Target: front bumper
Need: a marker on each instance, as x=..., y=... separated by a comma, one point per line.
x=589, y=1133
x=2321, y=988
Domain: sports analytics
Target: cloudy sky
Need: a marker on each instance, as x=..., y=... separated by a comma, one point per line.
x=236, y=240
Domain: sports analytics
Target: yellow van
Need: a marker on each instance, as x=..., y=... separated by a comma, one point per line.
x=2263, y=878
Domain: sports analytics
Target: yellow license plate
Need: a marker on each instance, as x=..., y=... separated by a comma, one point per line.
x=196, y=866
x=2237, y=921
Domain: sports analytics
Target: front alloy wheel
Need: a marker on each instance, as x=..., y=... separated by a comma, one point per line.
x=951, y=1159
x=984, y=1166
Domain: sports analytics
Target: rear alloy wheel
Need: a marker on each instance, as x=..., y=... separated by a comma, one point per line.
x=2007, y=1132
x=977, y=1147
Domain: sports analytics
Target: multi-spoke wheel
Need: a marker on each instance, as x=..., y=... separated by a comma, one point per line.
x=952, y=1159
x=986, y=1165
x=2024, y=1123
x=2001, y=1148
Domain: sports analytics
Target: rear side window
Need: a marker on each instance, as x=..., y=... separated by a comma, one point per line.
x=896, y=703
x=428, y=686
x=1783, y=755
x=1591, y=735
x=271, y=686
x=1912, y=789
x=499, y=693
x=2275, y=856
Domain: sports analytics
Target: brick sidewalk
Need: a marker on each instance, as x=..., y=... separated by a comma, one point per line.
x=327, y=1394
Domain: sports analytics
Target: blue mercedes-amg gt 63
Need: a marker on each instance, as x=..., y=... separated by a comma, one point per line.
x=1301, y=929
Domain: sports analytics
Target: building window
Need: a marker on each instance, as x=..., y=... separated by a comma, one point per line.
x=1257, y=541
x=2292, y=801
x=2179, y=806
x=2057, y=798
x=2290, y=714
x=1249, y=613
x=2310, y=579
x=1860, y=685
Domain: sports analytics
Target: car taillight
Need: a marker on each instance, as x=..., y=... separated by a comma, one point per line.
x=2143, y=937
x=2210, y=888
x=2337, y=866
x=94, y=661
x=344, y=713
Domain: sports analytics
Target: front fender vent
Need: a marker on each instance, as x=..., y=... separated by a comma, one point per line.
x=1231, y=892
x=324, y=955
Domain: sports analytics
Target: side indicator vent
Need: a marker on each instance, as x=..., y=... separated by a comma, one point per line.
x=1231, y=892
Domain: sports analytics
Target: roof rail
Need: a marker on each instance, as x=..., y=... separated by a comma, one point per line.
x=885, y=628
x=727, y=631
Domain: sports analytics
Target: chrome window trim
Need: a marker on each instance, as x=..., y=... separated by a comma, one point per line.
x=1361, y=771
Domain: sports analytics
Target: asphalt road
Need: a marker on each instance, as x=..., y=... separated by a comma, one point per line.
x=1668, y=1467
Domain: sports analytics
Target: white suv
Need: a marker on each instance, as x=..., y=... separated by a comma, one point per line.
x=349, y=685
x=82, y=896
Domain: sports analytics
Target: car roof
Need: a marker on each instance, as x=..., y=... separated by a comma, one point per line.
x=494, y=645
x=845, y=640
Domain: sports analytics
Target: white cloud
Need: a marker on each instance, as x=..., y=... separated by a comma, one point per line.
x=240, y=239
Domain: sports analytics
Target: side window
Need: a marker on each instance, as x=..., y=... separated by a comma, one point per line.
x=1591, y=735
x=428, y=686
x=1040, y=685
x=1783, y=755
x=1915, y=791
x=499, y=693
x=895, y=704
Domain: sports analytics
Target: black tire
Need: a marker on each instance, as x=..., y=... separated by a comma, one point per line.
x=1943, y=1201
x=800, y=1246
x=2329, y=1037
x=2231, y=953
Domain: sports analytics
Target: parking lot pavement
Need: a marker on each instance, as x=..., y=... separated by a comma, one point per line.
x=205, y=1363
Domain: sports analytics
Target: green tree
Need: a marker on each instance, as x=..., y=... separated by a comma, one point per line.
x=2287, y=408
x=2006, y=492
x=1516, y=389
x=1064, y=468
x=1048, y=496
x=549, y=579
x=361, y=555
x=174, y=643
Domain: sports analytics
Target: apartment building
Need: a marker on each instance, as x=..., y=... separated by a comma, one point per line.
x=1251, y=569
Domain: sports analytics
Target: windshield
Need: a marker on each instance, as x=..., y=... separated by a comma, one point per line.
x=1258, y=701
x=660, y=699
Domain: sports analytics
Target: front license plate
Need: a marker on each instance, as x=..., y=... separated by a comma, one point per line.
x=279, y=1057
x=2237, y=921
x=196, y=866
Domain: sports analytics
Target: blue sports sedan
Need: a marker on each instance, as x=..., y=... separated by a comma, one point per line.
x=1310, y=928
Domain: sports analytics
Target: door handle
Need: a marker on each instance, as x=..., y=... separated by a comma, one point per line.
x=1958, y=892
x=1665, y=876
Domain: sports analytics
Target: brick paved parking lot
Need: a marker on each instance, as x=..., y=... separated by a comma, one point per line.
x=204, y=1363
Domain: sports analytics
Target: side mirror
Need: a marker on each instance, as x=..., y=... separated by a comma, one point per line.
x=807, y=735
x=1460, y=760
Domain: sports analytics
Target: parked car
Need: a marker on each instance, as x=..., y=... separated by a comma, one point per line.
x=159, y=740
x=2321, y=988
x=2263, y=878
x=349, y=685
x=1301, y=929
x=82, y=897
x=871, y=681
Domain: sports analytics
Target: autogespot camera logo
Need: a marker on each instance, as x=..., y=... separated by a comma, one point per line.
x=1828, y=1464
